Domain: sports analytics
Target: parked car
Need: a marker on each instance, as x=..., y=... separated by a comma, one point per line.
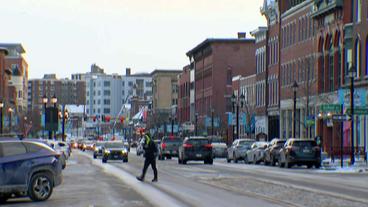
x=255, y=154
x=169, y=147
x=99, y=147
x=272, y=152
x=195, y=148
x=238, y=149
x=300, y=152
x=28, y=168
x=90, y=145
x=219, y=147
x=61, y=149
x=115, y=151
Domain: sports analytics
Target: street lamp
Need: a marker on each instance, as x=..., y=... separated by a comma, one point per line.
x=54, y=100
x=295, y=88
x=1, y=116
x=10, y=111
x=44, y=101
x=238, y=102
x=352, y=75
x=65, y=116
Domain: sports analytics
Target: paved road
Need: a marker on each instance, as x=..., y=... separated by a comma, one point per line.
x=86, y=185
x=224, y=184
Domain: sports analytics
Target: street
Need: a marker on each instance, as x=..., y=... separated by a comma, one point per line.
x=89, y=182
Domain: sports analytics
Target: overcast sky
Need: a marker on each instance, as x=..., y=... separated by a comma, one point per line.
x=67, y=36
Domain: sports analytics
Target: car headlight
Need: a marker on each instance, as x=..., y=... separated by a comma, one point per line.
x=124, y=151
x=107, y=151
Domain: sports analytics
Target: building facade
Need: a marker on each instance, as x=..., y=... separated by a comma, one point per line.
x=215, y=62
x=184, y=96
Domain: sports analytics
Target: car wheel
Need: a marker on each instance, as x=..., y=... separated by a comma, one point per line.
x=228, y=159
x=210, y=161
x=254, y=160
x=125, y=160
x=246, y=161
x=104, y=160
x=281, y=164
x=273, y=161
x=235, y=159
x=3, y=199
x=287, y=164
x=94, y=157
x=184, y=162
x=317, y=165
x=40, y=187
x=179, y=161
x=309, y=166
x=168, y=157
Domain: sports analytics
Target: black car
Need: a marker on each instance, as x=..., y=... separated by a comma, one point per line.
x=272, y=153
x=195, y=148
x=114, y=151
x=169, y=147
x=28, y=168
x=300, y=152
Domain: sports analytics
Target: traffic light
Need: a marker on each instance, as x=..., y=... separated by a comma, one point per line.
x=107, y=118
x=94, y=119
x=122, y=119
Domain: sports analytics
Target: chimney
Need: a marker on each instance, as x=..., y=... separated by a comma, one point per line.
x=242, y=35
x=127, y=71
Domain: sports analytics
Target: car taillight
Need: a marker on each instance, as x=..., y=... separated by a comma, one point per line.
x=57, y=155
x=187, y=145
x=208, y=146
x=163, y=145
x=317, y=149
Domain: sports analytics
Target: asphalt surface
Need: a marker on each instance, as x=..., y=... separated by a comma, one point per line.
x=197, y=184
x=86, y=185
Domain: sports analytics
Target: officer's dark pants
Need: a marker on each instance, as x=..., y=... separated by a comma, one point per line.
x=149, y=161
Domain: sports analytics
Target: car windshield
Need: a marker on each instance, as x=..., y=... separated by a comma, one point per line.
x=245, y=143
x=304, y=144
x=198, y=141
x=115, y=145
x=99, y=144
x=173, y=140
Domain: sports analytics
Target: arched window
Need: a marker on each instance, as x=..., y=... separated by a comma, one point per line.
x=330, y=63
x=358, y=58
x=339, y=59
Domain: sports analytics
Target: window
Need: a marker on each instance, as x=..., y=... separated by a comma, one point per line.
x=130, y=83
x=358, y=10
x=13, y=148
x=106, y=111
x=107, y=101
x=358, y=57
x=98, y=101
x=331, y=65
x=123, y=83
x=107, y=83
x=366, y=56
x=31, y=147
x=98, y=111
x=98, y=93
x=107, y=93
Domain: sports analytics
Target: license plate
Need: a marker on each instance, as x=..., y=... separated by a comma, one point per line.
x=306, y=151
x=115, y=156
x=198, y=155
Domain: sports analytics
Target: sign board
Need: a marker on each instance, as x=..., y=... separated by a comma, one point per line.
x=51, y=119
x=360, y=97
x=332, y=108
x=340, y=117
x=358, y=110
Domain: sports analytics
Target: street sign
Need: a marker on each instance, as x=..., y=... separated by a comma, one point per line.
x=340, y=117
x=333, y=108
x=358, y=110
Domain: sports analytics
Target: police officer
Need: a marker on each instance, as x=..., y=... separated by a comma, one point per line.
x=150, y=152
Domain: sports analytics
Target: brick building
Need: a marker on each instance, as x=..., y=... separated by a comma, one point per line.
x=4, y=75
x=215, y=62
x=184, y=96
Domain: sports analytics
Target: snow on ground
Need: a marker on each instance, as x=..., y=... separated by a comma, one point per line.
x=153, y=195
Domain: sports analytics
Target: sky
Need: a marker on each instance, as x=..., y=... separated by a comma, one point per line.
x=67, y=36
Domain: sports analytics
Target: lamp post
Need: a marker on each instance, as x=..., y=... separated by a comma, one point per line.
x=65, y=116
x=1, y=116
x=196, y=124
x=54, y=101
x=238, y=102
x=295, y=88
x=212, y=121
x=44, y=101
x=351, y=75
x=10, y=111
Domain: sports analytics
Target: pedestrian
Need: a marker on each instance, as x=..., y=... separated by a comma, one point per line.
x=150, y=153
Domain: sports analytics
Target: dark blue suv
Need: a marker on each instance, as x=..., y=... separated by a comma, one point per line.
x=28, y=168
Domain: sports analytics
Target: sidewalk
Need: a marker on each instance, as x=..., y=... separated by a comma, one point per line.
x=86, y=185
x=360, y=166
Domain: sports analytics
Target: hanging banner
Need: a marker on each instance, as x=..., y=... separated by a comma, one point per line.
x=230, y=119
x=360, y=97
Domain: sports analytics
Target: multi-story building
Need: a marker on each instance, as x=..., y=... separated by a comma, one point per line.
x=215, y=62
x=184, y=96
x=19, y=78
x=5, y=74
x=137, y=85
x=261, y=118
x=68, y=92
x=165, y=93
x=247, y=86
